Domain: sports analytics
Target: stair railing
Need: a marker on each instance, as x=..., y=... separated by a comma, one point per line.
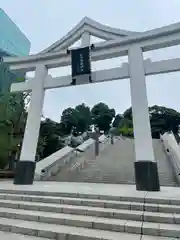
x=173, y=152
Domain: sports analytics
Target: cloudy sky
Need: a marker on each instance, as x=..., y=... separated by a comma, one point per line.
x=45, y=21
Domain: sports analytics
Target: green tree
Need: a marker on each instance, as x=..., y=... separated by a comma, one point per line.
x=118, y=118
x=5, y=134
x=102, y=116
x=126, y=122
x=126, y=127
x=83, y=118
x=13, y=116
x=53, y=144
x=127, y=132
x=78, y=119
x=16, y=115
x=162, y=120
x=49, y=138
x=68, y=120
x=128, y=113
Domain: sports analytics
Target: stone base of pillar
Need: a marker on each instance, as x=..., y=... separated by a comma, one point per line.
x=25, y=173
x=146, y=176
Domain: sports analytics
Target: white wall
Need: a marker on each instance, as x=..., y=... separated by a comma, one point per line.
x=52, y=164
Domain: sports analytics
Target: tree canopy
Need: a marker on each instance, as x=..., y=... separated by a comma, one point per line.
x=118, y=118
x=102, y=116
x=78, y=118
x=49, y=138
x=162, y=119
x=13, y=116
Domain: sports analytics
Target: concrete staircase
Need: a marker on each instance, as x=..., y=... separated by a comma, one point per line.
x=74, y=216
x=85, y=153
x=115, y=164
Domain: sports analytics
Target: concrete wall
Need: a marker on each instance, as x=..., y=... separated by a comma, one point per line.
x=173, y=151
x=51, y=165
x=83, y=152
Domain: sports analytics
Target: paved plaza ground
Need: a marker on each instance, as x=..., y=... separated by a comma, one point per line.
x=93, y=188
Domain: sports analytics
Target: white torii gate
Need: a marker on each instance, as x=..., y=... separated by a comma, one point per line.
x=118, y=43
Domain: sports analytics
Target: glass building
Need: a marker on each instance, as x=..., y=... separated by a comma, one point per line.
x=12, y=43
x=12, y=40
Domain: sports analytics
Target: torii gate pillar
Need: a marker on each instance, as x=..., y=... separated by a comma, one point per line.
x=146, y=171
x=26, y=166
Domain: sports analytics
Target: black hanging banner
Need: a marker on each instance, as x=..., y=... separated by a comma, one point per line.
x=80, y=61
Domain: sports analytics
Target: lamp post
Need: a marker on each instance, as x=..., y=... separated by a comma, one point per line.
x=97, y=134
x=111, y=131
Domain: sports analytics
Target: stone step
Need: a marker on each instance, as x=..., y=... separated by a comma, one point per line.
x=54, y=207
x=15, y=236
x=89, y=216
x=88, y=225
x=60, y=232
x=124, y=236
x=102, y=180
x=7, y=194
x=117, y=225
x=65, y=211
x=38, y=203
x=145, y=237
x=75, y=195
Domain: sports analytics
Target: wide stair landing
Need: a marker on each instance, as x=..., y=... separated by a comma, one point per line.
x=38, y=215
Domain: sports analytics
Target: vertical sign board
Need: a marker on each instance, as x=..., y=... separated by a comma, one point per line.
x=81, y=65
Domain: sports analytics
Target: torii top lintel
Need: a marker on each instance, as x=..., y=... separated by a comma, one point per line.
x=117, y=44
x=94, y=28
